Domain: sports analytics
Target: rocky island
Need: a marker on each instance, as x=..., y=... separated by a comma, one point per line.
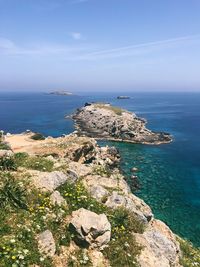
x=104, y=121
x=64, y=202
x=61, y=92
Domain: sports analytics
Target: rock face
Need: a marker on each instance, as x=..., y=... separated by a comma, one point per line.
x=160, y=247
x=107, y=122
x=90, y=228
x=46, y=243
x=48, y=181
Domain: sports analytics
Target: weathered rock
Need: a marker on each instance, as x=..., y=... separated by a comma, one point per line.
x=116, y=200
x=98, y=192
x=107, y=122
x=160, y=247
x=80, y=169
x=46, y=243
x=90, y=228
x=57, y=199
x=48, y=181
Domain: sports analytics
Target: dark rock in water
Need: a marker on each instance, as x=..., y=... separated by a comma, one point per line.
x=134, y=169
x=123, y=97
x=107, y=122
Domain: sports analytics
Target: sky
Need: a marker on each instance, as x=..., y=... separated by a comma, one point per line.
x=102, y=45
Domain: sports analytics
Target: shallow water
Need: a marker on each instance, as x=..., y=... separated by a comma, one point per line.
x=169, y=174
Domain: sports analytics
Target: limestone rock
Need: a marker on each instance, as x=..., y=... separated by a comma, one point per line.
x=159, y=246
x=57, y=199
x=107, y=122
x=80, y=169
x=46, y=243
x=116, y=200
x=90, y=228
x=98, y=192
x=48, y=181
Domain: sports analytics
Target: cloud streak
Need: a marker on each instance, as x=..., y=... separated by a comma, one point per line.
x=142, y=48
x=88, y=52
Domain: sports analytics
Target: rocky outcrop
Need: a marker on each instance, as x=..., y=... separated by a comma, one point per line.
x=48, y=181
x=90, y=229
x=160, y=247
x=111, y=123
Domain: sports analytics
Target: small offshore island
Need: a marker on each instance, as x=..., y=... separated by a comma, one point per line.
x=103, y=121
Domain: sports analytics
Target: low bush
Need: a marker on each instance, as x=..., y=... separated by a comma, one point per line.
x=38, y=136
x=190, y=255
x=34, y=163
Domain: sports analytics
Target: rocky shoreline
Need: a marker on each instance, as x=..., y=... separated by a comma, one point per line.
x=103, y=121
x=86, y=192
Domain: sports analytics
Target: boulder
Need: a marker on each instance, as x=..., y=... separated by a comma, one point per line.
x=46, y=244
x=90, y=229
x=115, y=200
x=160, y=247
x=57, y=199
x=48, y=181
x=98, y=192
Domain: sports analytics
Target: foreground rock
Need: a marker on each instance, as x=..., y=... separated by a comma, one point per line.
x=46, y=244
x=107, y=122
x=90, y=228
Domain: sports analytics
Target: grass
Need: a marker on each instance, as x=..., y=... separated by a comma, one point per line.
x=123, y=248
x=18, y=246
x=102, y=170
x=34, y=163
x=26, y=212
x=190, y=255
x=116, y=110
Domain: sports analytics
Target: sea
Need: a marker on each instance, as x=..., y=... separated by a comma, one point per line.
x=168, y=174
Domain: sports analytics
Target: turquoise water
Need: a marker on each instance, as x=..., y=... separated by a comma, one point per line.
x=169, y=174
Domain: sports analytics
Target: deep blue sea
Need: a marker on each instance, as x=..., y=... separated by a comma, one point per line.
x=169, y=174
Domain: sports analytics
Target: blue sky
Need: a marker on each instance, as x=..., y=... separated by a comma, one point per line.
x=116, y=45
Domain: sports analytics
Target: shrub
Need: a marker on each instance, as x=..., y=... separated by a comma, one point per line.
x=78, y=197
x=7, y=163
x=190, y=255
x=123, y=248
x=11, y=193
x=38, y=136
x=4, y=146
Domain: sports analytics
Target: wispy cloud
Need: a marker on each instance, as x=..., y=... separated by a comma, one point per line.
x=87, y=52
x=142, y=48
x=76, y=35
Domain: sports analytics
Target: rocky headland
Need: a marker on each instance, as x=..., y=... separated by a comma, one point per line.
x=103, y=121
x=64, y=202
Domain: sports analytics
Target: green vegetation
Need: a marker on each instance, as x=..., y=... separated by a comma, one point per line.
x=19, y=223
x=79, y=259
x=190, y=255
x=34, y=163
x=38, y=136
x=116, y=110
x=102, y=170
x=11, y=163
x=4, y=146
x=123, y=248
x=7, y=163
